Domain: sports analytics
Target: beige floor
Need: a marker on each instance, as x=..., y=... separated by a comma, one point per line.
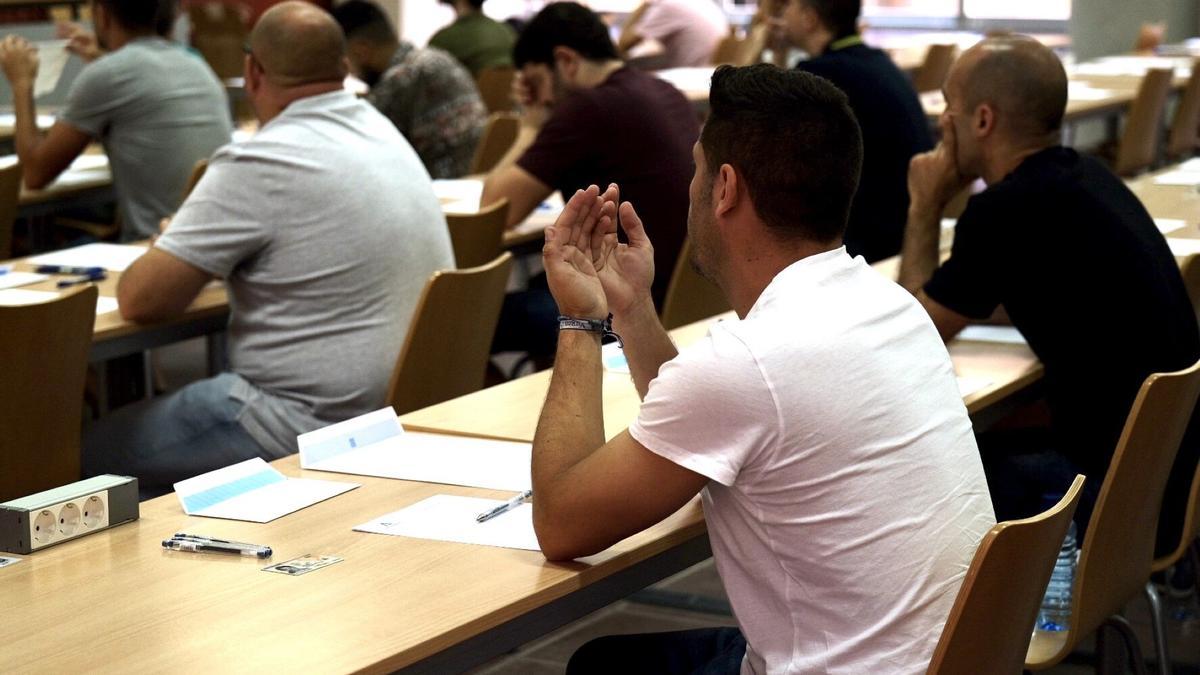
x=550, y=653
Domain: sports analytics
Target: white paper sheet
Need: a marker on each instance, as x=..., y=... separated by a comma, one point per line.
x=89, y=163
x=376, y=445
x=105, y=304
x=14, y=297
x=1183, y=247
x=1168, y=225
x=9, y=120
x=254, y=491
x=452, y=518
x=14, y=279
x=462, y=195
x=970, y=385
x=1190, y=165
x=113, y=257
x=52, y=58
x=614, y=358
x=1079, y=91
x=999, y=334
x=1183, y=178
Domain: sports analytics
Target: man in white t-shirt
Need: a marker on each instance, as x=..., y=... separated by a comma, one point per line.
x=824, y=430
x=688, y=30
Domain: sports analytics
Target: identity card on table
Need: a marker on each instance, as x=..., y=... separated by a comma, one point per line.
x=252, y=490
x=376, y=444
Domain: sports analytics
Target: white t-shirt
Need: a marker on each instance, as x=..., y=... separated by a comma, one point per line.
x=689, y=30
x=847, y=495
x=325, y=227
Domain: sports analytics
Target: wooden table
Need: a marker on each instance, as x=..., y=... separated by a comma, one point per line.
x=129, y=606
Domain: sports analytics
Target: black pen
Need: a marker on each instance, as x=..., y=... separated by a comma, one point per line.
x=197, y=547
x=202, y=539
x=84, y=279
x=68, y=269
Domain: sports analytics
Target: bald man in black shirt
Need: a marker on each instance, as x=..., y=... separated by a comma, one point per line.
x=1071, y=255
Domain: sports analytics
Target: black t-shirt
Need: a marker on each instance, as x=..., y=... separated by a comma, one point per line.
x=1087, y=278
x=634, y=130
x=894, y=129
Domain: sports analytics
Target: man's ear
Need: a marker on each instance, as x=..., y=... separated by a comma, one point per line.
x=727, y=187
x=984, y=122
x=566, y=62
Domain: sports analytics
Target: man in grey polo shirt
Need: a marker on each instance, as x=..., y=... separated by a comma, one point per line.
x=156, y=107
x=325, y=228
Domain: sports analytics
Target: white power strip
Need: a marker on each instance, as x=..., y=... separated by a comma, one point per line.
x=69, y=512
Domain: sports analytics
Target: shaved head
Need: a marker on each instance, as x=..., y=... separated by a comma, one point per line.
x=1018, y=76
x=297, y=43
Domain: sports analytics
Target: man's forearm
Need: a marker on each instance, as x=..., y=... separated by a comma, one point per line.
x=647, y=344
x=919, y=254
x=572, y=422
x=26, y=136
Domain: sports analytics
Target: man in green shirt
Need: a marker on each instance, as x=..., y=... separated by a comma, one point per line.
x=474, y=39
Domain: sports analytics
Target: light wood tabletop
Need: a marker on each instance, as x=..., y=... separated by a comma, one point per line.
x=123, y=604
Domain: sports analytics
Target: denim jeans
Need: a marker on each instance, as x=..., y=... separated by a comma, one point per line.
x=171, y=438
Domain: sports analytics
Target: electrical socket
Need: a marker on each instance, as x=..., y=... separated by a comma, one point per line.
x=55, y=516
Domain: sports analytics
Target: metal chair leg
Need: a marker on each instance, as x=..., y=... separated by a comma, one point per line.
x=1121, y=624
x=1159, y=629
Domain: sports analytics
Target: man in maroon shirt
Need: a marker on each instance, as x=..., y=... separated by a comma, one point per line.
x=588, y=119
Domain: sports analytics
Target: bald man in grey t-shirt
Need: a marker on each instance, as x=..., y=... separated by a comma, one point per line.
x=325, y=228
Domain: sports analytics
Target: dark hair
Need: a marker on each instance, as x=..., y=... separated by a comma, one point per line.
x=362, y=20
x=477, y=4
x=839, y=16
x=793, y=141
x=168, y=11
x=135, y=15
x=563, y=24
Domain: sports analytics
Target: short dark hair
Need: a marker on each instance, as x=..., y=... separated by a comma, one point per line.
x=477, y=4
x=795, y=143
x=135, y=15
x=168, y=11
x=362, y=20
x=839, y=16
x=563, y=24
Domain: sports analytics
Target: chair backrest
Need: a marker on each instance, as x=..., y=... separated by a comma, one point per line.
x=1119, y=547
x=990, y=624
x=197, y=173
x=218, y=32
x=690, y=297
x=495, y=88
x=931, y=74
x=1190, y=531
x=446, y=351
x=727, y=49
x=10, y=194
x=477, y=238
x=750, y=50
x=44, y=349
x=498, y=137
x=1143, y=128
x=1191, y=281
x=1185, y=128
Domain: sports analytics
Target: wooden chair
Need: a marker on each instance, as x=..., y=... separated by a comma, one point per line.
x=1185, y=128
x=446, y=352
x=931, y=74
x=198, y=172
x=727, y=50
x=498, y=137
x=690, y=297
x=495, y=87
x=478, y=238
x=1119, y=546
x=989, y=626
x=1138, y=148
x=10, y=194
x=218, y=32
x=44, y=348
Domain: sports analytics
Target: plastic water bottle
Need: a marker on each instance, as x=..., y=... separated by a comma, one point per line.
x=1055, y=614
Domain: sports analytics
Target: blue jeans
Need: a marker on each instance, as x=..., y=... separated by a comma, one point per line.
x=171, y=438
x=704, y=651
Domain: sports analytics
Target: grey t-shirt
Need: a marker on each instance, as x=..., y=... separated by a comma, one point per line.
x=157, y=108
x=326, y=228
